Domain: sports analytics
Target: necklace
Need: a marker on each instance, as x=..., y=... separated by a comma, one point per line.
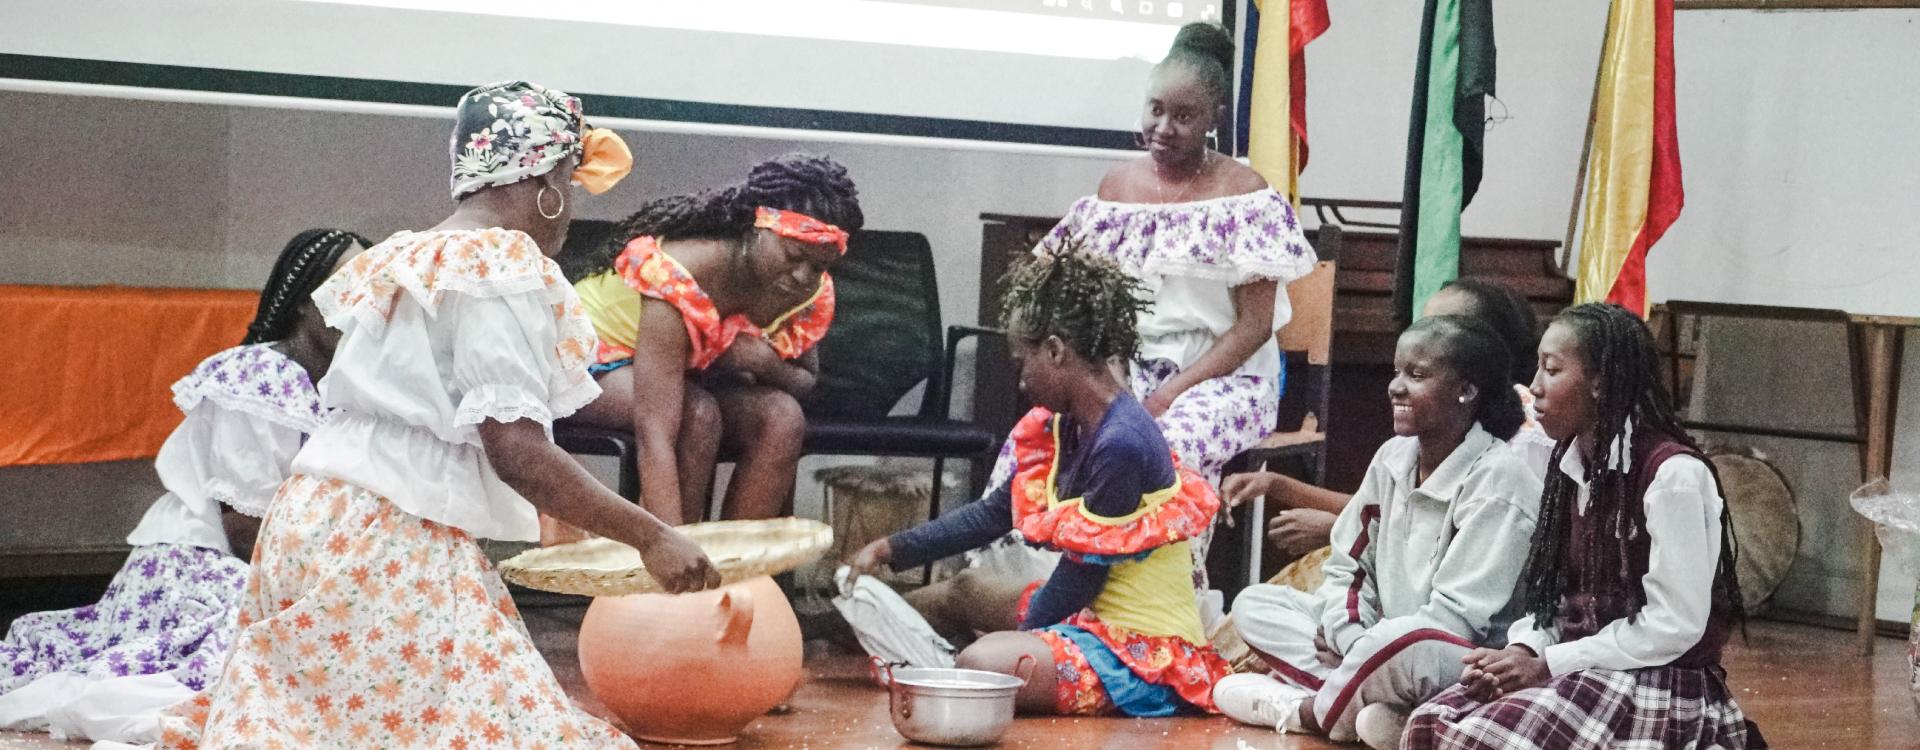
x=1160, y=187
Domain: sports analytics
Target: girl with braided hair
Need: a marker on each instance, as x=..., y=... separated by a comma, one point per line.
x=162, y=630
x=1629, y=589
x=708, y=307
x=1425, y=556
x=1116, y=628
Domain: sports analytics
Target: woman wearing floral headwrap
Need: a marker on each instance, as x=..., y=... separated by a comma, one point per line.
x=708, y=307
x=372, y=619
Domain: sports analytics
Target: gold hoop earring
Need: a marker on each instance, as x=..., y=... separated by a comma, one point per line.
x=540, y=203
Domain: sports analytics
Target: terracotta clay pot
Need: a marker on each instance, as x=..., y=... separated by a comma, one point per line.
x=692, y=669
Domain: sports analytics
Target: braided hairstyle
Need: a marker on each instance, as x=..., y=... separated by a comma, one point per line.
x=1509, y=315
x=813, y=185
x=1207, y=50
x=1473, y=351
x=1088, y=301
x=1619, y=351
x=305, y=262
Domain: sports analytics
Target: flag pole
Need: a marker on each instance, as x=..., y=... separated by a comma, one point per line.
x=1586, y=149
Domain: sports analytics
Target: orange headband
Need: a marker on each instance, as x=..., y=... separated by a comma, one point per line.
x=799, y=226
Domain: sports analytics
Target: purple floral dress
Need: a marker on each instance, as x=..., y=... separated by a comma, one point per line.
x=170, y=610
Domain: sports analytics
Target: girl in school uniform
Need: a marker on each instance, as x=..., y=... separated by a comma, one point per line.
x=1425, y=557
x=1630, y=580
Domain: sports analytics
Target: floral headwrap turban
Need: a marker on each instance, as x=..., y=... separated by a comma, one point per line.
x=512, y=131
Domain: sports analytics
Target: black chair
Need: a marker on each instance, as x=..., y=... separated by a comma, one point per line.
x=886, y=339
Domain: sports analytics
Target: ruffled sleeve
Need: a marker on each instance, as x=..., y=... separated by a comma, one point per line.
x=651, y=272
x=1163, y=516
x=247, y=411
x=520, y=340
x=505, y=362
x=1236, y=239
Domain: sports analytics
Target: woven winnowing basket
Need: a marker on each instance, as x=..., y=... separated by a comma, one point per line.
x=741, y=550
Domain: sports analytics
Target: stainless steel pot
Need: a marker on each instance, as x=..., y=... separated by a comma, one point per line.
x=953, y=707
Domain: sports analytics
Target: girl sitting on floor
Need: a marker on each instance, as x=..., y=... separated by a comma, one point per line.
x=161, y=631
x=1631, y=588
x=373, y=618
x=1306, y=521
x=1425, y=558
x=729, y=290
x=1116, y=628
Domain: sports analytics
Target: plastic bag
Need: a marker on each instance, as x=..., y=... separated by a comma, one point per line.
x=1896, y=520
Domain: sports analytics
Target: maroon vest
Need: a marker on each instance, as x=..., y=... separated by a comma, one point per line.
x=1583, y=611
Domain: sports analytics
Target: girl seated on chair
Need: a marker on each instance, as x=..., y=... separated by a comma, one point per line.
x=1116, y=628
x=1425, y=558
x=708, y=307
x=1631, y=586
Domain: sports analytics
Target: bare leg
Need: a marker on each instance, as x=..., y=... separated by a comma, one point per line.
x=766, y=426
x=1002, y=652
x=698, y=451
x=696, y=448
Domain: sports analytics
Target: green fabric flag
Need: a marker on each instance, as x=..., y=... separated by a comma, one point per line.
x=1446, y=146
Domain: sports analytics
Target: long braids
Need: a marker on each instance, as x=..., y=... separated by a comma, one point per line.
x=813, y=185
x=305, y=262
x=1088, y=301
x=1619, y=351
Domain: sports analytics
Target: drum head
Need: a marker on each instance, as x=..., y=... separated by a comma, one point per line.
x=1766, y=523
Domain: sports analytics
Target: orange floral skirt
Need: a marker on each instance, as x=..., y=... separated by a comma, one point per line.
x=365, y=626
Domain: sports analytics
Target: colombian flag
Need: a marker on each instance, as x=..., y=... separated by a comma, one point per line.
x=1277, y=137
x=1632, y=192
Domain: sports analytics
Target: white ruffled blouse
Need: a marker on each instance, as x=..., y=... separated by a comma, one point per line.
x=1190, y=256
x=440, y=332
x=247, y=409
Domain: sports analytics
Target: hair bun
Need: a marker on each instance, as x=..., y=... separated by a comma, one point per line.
x=1209, y=40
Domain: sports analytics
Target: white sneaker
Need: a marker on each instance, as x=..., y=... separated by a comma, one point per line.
x=1380, y=725
x=1260, y=700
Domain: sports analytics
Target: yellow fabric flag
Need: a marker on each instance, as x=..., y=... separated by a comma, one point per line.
x=1272, y=146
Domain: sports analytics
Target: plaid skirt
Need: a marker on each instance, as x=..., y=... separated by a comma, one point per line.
x=1659, y=707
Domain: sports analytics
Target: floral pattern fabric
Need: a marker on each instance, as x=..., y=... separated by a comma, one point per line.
x=1171, y=516
x=651, y=272
x=1235, y=239
x=366, y=626
x=170, y=610
x=257, y=381
x=507, y=132
x=427, y=266
x=1176, y=514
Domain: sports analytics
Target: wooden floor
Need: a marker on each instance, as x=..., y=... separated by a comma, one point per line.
x=1804, y=686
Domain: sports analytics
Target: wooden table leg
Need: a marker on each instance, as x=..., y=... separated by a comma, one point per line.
x=1883, y=367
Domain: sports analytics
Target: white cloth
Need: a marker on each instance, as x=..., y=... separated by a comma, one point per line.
x=247, y=409
x=1190, y=256
x=1683, y=527
x=887, y=627
x=442, y=331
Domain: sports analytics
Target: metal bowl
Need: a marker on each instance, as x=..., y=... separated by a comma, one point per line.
x=952, y=707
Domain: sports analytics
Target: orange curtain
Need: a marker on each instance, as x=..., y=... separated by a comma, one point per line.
x=85, y=372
